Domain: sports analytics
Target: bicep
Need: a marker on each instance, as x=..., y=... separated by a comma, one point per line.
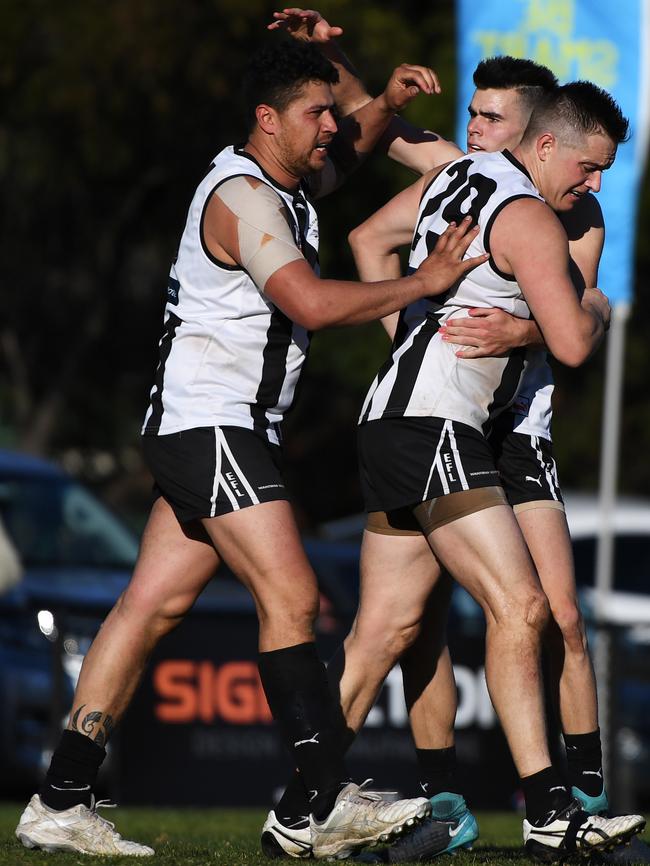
x=292, y=288
x=540, y=266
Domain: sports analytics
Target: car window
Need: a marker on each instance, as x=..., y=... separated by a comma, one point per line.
x=56, y=522
x=631, y=562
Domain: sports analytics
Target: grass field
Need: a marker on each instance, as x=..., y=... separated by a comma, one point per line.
x=228, y=837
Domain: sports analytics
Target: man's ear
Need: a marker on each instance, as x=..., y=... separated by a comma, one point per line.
x=267, y=118
x=545, y=145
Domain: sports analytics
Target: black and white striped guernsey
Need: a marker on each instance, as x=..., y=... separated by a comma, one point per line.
x=228, y=355
x=424, y=377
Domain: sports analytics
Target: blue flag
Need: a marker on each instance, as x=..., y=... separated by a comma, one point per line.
x=594, y=40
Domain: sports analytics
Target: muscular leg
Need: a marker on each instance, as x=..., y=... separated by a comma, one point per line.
x=398, y=573
x=547, y=537
x=263, y=548
x=485, y=552
x=429, y=685
x=396, y=579
x=174, y=564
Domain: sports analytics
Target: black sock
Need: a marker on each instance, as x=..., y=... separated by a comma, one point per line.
x=585, y=761
x=437, y=770
x=545, y=793
x=73, y=771
x=296, y=688
x=293, y=807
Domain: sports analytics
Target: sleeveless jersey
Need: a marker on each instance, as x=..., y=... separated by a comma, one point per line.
x=424, y=377
x=228, y=355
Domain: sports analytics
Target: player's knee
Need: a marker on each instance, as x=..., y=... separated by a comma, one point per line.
x=392, y=639
x=526, y=611
x=569, y=621
x=150, y=611
x=295, y=616
x=537, y=610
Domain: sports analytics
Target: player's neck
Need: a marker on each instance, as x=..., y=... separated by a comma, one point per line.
x=269, y=162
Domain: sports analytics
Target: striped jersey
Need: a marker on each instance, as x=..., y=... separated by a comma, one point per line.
x=228, y=355
x=424, y=377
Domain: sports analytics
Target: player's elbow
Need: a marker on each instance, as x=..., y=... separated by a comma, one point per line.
x=573, y=354
x=357, y=239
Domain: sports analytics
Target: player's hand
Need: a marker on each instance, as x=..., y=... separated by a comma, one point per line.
x=306, y=24
x=445, y=265
x=486, y=333
x=406, y=82
x=593, y=299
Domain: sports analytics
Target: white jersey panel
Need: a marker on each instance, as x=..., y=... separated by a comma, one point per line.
x=228, y=356
x=532, y=409
x=424, y=377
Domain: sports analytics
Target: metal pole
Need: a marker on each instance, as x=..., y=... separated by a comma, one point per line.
x=607, y=500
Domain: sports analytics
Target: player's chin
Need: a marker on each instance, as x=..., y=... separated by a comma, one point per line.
x=318, y=157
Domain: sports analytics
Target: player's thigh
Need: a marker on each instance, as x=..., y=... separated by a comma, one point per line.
x=397, y=575
x=174, y=564
x=262, y=546
x=230, y=479
x=486, y=553
x=547, y=536
x=529, y=478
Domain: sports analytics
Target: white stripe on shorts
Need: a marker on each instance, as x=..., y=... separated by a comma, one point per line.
x=549, y=474
x=217, y=473
x=457, y=460
x=254, y=498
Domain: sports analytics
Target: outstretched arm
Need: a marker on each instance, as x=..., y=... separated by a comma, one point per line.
x=376, y=242
x=246, y=225
x=415, y=148
x=309, y=25
x=360, y=131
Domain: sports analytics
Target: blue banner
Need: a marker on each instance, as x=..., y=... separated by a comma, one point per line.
x=593, y=40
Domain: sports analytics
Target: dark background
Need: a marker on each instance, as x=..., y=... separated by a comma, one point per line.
x=110, y=114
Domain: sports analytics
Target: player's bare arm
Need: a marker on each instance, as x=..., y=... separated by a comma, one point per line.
x=490, y=333
x=375, y=243
x=359, y=132
x=572, y=329
x=493, y=332
x=246, y=224
x=316, y=303
x=310, y=26
x=585, y=227
x=415, y=148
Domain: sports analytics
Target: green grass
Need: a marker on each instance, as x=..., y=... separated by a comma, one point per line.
x=230, y=837
x=225, y=837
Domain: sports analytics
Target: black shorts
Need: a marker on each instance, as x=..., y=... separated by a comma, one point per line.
x=405, y=461
x=527, y=468
x=209, y=471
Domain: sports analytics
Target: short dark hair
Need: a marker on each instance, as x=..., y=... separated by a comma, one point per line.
x=531, y=80
x=276, y=74
x=579, y=107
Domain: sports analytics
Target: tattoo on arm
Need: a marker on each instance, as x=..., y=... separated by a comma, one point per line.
x=95, y=724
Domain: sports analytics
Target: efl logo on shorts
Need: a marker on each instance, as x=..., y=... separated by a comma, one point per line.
x=233, y=481
x=450, y=466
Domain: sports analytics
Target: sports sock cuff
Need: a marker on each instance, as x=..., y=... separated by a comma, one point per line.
x=77, y=758
x=584, y=744
x=292, y=667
